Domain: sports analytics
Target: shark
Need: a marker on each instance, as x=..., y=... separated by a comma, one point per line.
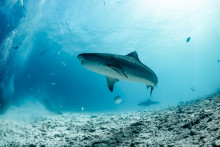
x=119, y=67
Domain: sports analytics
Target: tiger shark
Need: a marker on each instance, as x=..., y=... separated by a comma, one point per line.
x=119, y=67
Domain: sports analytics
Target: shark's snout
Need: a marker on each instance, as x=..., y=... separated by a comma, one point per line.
x=81, y=57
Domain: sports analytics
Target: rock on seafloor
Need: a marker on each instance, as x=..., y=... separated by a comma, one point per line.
x=195, y=123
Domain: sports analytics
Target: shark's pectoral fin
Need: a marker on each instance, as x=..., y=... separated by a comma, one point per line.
x=119, y=71
x=111, y=81
x=148, y=86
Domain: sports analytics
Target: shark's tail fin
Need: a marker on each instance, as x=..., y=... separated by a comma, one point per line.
x=151, y=89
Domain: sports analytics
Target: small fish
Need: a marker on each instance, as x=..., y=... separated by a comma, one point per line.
x=188, y=39
x=15, y=47
x=148, y=103
x=53, y=84
x=63, y=63
x=82, y=108
x=192, y=89
x=118, y=99
x=43, y=52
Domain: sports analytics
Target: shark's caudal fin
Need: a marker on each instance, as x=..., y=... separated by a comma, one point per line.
x=151, y=89
x=111, y=81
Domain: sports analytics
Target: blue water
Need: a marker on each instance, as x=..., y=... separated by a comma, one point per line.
x=40, y=41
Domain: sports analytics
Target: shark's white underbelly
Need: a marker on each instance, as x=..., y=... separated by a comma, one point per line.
x=107, y=71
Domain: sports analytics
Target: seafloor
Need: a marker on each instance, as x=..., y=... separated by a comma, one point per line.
x=195, y=123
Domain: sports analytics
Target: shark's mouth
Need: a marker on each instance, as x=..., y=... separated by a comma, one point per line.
x=82, y=61
x=81, y=58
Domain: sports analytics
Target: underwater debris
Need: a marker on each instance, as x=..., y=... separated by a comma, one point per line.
x=21, y=3
x=82, y=108
x=148, y=103
x=118, y=99
x=188, y=39
x=127, y=68
x=192, y=89
x=63, y=63
x=43, y=52
x=16, y=45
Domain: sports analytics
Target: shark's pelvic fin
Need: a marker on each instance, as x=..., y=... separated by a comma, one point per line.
x=133, y=55
x=119, y=71
x=111, y=81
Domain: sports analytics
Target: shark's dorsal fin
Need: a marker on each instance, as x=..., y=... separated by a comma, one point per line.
x=119, y=71
x=111, y=81
x=133, y=55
